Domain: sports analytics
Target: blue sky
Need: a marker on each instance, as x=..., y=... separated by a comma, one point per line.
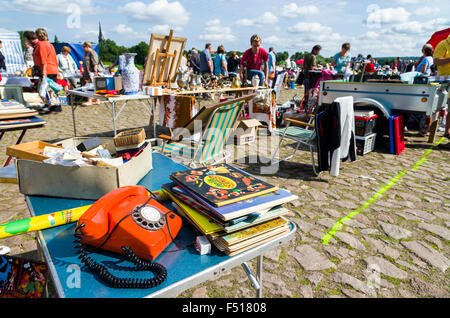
x=380, y=28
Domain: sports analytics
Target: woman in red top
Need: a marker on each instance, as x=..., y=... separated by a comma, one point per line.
x=254, y=57
x=44, y=56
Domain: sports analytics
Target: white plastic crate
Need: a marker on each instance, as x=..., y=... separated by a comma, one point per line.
x=365, y=144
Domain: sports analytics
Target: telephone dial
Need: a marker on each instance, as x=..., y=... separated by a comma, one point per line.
x=128, y=221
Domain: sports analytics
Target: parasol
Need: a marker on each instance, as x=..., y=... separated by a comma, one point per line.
x=300, y=62
x=438, y=36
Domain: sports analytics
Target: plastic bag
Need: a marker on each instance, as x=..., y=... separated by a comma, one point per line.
x=43, y=93
x=47, y=94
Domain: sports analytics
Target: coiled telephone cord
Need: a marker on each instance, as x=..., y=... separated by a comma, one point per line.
x=114, y=281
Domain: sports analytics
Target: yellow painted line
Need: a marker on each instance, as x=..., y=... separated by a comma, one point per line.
x=392, y=182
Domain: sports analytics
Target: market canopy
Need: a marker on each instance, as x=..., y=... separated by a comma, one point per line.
x=438, y=36
x=76, y=50
x=12, y=50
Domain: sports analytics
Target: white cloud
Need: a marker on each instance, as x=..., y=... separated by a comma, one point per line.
x=308, y=27
x=388, y=16
x=47, y=6
x=424, y=11
x=266, y=18
x=159, y=11
x=408, y=1
x=163, y=29
x=123, y=29
x=291, y=10
x=215, y=31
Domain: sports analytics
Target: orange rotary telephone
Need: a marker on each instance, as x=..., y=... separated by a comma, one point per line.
x=128, y=221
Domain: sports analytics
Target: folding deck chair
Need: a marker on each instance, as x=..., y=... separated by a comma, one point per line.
x=208, y=144
x=302, y=136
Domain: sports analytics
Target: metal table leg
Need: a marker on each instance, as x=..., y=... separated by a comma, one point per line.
x=113, y=111
x=256, y=280
x=73, y=114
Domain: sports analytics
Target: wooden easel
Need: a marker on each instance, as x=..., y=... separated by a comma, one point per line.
x=165, y=55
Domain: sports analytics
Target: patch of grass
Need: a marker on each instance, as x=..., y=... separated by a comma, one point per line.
x=329, y=271
x=334, y=292
x=366, y=244
x=304, y=281
x=392, y=280
x=294, y=295
x=335, y=260
x=319, y=286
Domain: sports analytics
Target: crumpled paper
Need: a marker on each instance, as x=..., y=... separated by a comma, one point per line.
x=69, y=156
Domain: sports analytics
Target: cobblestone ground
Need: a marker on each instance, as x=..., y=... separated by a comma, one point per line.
x=396, y=247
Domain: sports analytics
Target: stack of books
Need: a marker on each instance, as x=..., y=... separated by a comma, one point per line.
x=14, y=114
x=234, y=209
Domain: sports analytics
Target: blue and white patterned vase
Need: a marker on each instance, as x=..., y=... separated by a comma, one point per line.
x=130, y=73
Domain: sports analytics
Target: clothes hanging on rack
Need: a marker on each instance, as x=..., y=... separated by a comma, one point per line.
x=335, y=129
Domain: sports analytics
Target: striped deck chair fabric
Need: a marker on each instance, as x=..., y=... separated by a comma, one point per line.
x=12, y=50
x=211, y=148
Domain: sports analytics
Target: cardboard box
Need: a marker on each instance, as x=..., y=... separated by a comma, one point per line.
x=89, y=183
x=245, y=132
x=153, y=90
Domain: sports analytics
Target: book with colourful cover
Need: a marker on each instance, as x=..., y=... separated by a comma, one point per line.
x=21, y=121
x=240, y=241
x=222, y=184
x=202, y=222
x=249, y=233
x=21, y=278
x=242, y=208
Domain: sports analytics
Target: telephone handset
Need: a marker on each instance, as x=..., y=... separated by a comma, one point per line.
x=128, y=221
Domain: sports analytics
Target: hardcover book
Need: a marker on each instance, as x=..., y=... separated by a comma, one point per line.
x=243, y=240
x=222, y=184
x=249, y=233
x=242, y=208
x=20, y=278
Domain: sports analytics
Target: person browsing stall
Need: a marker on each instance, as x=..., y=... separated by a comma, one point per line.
x=194, y=61
x=220, y=62
x=426, y=62
x=254, y=58
x=44, y=55
x=441, y=59
x=341, y=60
x=91, y=62
x=2, y=58
x=206, y=63
x=233, y=63
x=310, y=64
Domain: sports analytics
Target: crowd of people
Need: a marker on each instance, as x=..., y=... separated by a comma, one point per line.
x=41, y=55
x=255, y=62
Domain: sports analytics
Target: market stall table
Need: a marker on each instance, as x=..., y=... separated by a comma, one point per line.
x=38, y=123
x=185, y=267
x=113, y=101
x=269, y=120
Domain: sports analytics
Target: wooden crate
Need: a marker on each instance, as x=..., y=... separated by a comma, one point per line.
x=29, y=151
x=34, y=151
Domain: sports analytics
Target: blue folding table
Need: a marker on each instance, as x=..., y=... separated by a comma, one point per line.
x=185, y=267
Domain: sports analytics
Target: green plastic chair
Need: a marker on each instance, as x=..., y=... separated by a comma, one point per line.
x=217, y=123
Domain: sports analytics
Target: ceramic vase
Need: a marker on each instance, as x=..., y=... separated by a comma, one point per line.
x=130, y=73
